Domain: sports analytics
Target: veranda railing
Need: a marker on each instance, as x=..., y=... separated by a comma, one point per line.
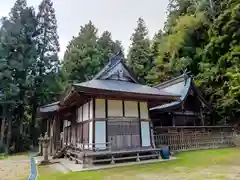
x=193, y=141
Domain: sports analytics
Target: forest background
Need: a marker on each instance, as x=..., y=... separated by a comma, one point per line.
x=201, y=37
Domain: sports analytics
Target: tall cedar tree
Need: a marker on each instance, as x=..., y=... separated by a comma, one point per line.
x=108, y=47
x=47, y=59
x=86, y=54
x=7, y=82
x=139, y=57
x=19, y=45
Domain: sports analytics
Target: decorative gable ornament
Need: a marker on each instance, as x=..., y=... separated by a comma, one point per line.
x=116, y=70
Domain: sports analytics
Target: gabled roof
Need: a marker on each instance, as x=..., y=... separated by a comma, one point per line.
x=115, y=80
x=117, y=67
x=181, y=86
x=117, y=77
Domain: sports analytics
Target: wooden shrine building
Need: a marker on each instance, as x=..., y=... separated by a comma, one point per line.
x=106, y=115
x=190, y=112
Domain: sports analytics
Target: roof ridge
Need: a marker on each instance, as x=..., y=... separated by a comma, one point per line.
x=109, y=65
x=168, y=81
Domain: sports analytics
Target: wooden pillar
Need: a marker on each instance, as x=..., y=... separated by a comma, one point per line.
x=202, y=116
x=48, y=120
x=53, y=136
x=58, y=132
x=70, y=128
x=93, y=123
x=140, y=128
x=173, y=120
x=106, y=115
x=82, y=127
x=76, y=126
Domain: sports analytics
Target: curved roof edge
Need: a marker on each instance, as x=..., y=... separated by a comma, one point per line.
x=182, y=97
x=183, y=92
x=50, y=107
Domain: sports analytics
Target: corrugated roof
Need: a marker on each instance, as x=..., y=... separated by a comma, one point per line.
x=123, y=86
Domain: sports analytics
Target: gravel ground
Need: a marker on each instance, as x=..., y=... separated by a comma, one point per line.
x=15, y=168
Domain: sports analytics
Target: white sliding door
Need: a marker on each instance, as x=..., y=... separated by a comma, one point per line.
x=145, y=133
x=100, y=135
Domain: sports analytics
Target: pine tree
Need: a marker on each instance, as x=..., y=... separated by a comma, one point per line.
x=139, y=53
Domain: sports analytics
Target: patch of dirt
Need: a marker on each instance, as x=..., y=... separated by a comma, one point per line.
x=14, y=169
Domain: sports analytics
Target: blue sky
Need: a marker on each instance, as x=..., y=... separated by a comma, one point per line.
x=118, y=17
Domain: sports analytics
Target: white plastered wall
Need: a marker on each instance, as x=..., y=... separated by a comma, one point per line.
x=79, y=114
x=115, y=108
x=131, y=108
x=85, y=111
x=91, y=109
x=144, y=110
x=100, y=108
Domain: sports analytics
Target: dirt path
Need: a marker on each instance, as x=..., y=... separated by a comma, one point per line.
x=15, y=168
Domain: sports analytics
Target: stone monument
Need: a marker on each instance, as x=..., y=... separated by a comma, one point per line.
x=45, y=143
x=40, y=149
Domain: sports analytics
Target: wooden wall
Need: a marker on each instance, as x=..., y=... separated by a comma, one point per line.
x=122, y=122
x=96, y=120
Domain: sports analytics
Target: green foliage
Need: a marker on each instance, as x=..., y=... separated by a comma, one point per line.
x=220, y=65
x=28, y=63
x=200, y=36
x=203, y=37
x=139, y=57
x=87, y=54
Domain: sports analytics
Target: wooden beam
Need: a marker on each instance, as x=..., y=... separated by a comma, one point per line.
x=139, y=110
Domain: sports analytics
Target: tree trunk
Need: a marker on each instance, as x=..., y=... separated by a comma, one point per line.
x=3, y=125
x=20, y=116
x=9, y=134
x=33, y=121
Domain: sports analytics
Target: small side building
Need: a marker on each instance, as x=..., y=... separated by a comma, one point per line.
x=190, y=113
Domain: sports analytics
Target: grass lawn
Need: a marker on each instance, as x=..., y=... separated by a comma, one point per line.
x=195, y=165
x=2, y=156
